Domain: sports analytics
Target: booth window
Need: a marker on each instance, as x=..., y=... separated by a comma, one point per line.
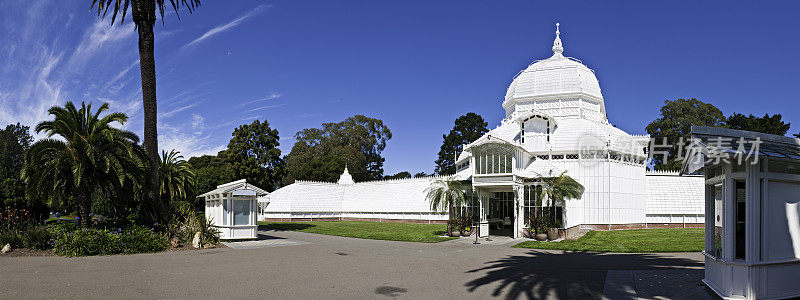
x=741, y=192
x=225, y=212
x=718, y=220
x=241, y=212
x=776, y=166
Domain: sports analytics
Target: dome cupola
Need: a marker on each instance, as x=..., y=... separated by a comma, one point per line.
x=345, y=178
x=560, y=86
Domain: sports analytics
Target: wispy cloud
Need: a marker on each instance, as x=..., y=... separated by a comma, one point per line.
x=177, y=110
x=270, y=97
x=189, y=143
x=100, y=34
x=227, y=26
x=198, y=123
x=266, y=107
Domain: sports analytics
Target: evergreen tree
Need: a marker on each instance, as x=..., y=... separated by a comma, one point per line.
x=467, y=129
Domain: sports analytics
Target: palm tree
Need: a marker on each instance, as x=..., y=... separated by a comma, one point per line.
x=144, y=16
x=177, y=177
x=89, y=160
x=446, y=194
x=557, y=190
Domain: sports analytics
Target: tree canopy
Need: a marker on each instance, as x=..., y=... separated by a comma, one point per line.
x=321, y=153
x=210, y=171
x=766, y=124
x=253, y=154
x=14, y=141
x=399, y=175
x=675, y=122
x=467, y=129
x=89, y=164
x=177, y=177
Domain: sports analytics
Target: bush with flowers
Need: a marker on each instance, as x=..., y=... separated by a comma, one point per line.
x=13, y=224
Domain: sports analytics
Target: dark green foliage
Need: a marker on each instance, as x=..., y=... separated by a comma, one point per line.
x=253, y=154
x=177, y=177
x=71, y=241
x=12, y=237
x=120, y=7
x=14, y=141
x=90, y=165
x=210, y=171
x=558, y=189
x=400, y=175
x=420, y=175
x=467, y=129
x=186, y=223
x=321, y=153
x=138, y=239
x=36, y=238
x=445, y=195
x=675, y=122
x=766, y=124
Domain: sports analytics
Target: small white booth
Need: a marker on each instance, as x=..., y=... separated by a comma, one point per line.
x=232, y=209
x=752, y=240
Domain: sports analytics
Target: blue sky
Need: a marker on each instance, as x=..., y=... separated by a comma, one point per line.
x=417, y=65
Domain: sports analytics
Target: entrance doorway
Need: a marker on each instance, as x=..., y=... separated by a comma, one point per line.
x=501, y=214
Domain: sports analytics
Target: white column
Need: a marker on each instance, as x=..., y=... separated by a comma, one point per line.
x=518, y=200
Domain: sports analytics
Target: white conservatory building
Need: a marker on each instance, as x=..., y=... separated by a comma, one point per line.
x=555, y=122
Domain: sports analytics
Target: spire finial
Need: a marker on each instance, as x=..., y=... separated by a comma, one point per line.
x=557, y=47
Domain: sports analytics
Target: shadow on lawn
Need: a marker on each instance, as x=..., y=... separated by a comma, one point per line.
x=571, y=275
x=287, y=226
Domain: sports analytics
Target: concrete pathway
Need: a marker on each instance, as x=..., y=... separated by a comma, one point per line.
x=264, y=241
x=655, y=284
x=494, y=240
x=319, y=266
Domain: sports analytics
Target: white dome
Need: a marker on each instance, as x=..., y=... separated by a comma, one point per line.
x=557, y=77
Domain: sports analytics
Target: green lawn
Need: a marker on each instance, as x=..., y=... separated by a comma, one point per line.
x=405, y=232
x=629, y=241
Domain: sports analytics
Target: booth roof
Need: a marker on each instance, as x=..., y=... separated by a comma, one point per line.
x=728, y=141
x=234, y=186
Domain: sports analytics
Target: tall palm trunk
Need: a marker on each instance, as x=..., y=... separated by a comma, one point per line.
x=144, y=15
x=83, y=209
x=451, y=217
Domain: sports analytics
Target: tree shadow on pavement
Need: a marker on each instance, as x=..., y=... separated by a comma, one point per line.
x=287, y=226
x=567, y=275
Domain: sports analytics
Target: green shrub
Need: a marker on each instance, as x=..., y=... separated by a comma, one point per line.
x=187, y=222
x=85, y=241
x=36, y=238
x=13, y=237
x=137, y=239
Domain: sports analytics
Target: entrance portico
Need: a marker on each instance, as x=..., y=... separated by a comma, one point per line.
x=507, y=206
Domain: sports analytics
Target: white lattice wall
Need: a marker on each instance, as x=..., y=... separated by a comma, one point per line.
x=672, y=198
x=401, y=199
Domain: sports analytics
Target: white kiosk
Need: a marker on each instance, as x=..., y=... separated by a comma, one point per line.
x=752, y=241
x=232, y=209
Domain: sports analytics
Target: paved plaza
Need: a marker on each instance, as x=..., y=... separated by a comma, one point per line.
x=295, y=265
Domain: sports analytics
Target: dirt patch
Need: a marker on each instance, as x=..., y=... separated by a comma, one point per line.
x=27, y=253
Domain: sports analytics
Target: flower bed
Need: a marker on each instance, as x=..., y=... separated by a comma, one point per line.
x=71, y=241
